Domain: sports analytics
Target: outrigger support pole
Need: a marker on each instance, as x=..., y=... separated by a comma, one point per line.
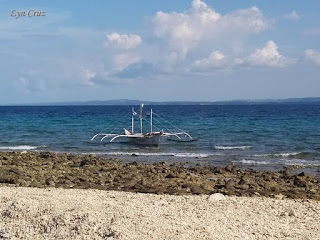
x=151, y=120
x=132, y=124
x=140, y=116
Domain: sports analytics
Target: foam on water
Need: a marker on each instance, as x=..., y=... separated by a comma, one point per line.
x=172, y=154
x=231, y=147
x=282, y=161
x=246, y=161
x=21, y=147
x=288, y=154
x=300, y=162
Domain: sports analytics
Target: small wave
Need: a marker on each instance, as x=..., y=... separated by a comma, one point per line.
x=201, y=155
x=286, y=154
x=292, y=154
x=21, y=147
x=245, y=161
x=301, y=162
x=282, y=162
x=231, y=147
x=187, y=155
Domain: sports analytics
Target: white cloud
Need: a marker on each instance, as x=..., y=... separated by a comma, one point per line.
x=292, y=16
x=124, y=41
x=215, y=60
x=123, y=60
x=185, y=31
x=313, y=56
x=88, y=75
x=250, y=20
x=269, y=56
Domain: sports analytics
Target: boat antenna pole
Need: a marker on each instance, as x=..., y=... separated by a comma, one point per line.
x=151, y=120
x=132, y=124
x=140, y=116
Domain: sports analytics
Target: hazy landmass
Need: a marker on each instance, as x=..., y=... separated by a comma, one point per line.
x=313, y=100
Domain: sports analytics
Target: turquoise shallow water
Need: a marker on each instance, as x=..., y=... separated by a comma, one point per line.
x=263, y=136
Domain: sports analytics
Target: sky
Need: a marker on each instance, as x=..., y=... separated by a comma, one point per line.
x=156, y=50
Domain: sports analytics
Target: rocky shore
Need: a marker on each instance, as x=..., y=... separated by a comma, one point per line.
x=45, y=169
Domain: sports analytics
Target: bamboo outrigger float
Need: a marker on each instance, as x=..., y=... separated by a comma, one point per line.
x=149, y=138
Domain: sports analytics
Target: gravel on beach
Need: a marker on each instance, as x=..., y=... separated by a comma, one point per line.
x=56, y=213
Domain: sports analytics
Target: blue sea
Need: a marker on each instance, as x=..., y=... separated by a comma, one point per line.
x=265, y=136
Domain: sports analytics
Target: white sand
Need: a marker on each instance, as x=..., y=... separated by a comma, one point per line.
x=30, y=213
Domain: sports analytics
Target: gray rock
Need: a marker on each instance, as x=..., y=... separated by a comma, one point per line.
x=216, y=197
x=292, y=213
x=6, y=213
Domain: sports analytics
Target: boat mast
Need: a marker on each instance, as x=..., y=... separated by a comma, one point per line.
x=151, y=120
x=140, y=116
x=132, y=124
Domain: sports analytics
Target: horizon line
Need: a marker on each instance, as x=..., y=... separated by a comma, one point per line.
x=137, y=101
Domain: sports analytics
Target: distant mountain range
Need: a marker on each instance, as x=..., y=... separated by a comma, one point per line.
x=313, y=100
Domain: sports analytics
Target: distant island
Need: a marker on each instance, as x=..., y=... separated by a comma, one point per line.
x=311, y=100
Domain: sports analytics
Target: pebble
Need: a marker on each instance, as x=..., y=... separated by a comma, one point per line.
x=216, y=197
x=279, y=196
x=3, y=234
x=292, y=213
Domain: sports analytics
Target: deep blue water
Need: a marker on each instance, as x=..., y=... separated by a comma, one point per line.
x=270, y=135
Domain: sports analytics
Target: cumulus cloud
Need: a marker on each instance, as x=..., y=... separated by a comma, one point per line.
x=187, y=30
x=292, y=16
x=123, y=60
x=313, y=56
x=269, y=56
x=215, y=60
x=88, y=75
x=124, y=41
x=140, y=69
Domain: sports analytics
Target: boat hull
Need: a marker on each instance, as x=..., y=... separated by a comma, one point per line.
x=152, y=140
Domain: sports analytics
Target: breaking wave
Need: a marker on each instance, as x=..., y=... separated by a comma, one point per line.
x=231, y=147
x=185, y=155
x=283, y=161
x=21, y=147
x=245, y=161
x=299, y=155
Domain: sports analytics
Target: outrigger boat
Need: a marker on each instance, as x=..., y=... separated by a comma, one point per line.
x=149, y=138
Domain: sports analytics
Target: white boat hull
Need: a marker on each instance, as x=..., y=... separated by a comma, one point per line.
x=152, y=140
